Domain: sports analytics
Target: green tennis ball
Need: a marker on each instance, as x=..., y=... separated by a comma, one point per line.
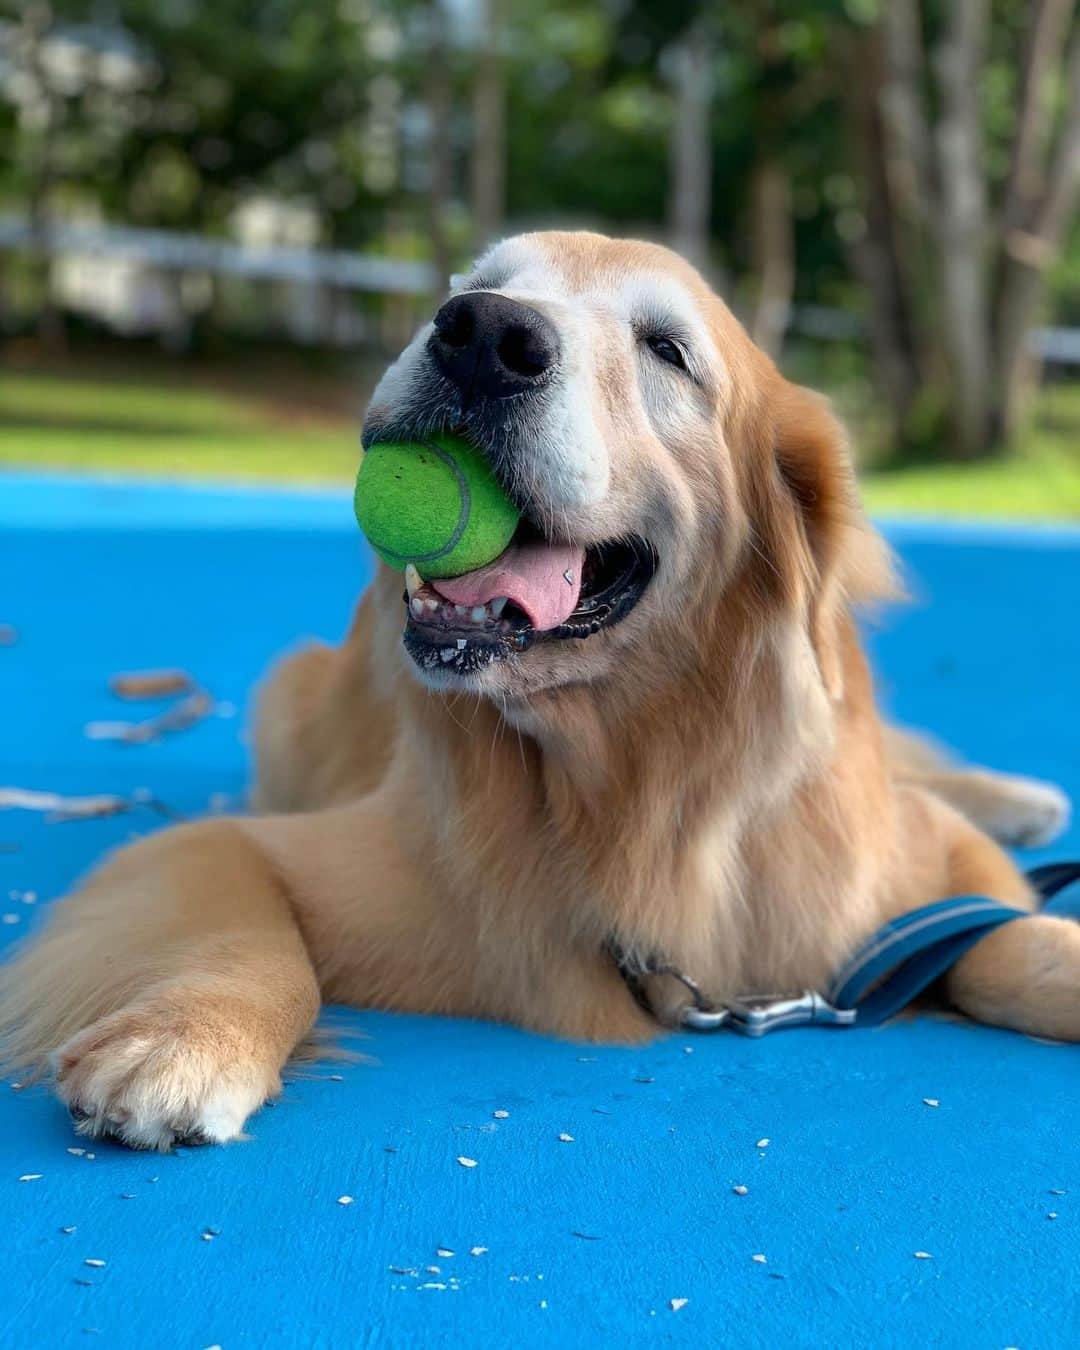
x=435, y=504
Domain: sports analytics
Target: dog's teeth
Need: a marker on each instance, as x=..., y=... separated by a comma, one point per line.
x=413, y=580
x=479, y=613
x=417, y=607
x=430, y=604
x=497, y=606
x=461, y=611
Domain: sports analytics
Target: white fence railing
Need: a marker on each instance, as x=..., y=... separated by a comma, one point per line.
x=174, y=251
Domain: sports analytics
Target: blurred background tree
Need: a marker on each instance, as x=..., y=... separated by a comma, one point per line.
x=885, y=192
x=968, y=123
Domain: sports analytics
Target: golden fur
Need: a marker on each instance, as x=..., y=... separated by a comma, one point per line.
x=709, y=778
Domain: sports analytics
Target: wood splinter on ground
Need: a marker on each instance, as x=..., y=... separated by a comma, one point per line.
x=195, y=708
x=60, y=808
x=67, y=808
x=140, y=684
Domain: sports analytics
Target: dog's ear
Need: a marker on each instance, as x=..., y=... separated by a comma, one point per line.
x=844, y=562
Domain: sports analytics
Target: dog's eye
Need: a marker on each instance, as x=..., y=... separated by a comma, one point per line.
x=666, y=350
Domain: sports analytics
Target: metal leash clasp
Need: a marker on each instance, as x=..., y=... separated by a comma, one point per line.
x=751, y=1015
x=758, y=1014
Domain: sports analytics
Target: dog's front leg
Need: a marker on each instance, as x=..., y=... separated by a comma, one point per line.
x=168, y=992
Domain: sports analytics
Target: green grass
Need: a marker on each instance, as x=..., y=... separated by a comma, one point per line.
x=155, y=426
x=1040, y=481
x=164, y=430
x=1031, y=486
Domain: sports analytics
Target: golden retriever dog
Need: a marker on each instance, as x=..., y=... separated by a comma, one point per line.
x=649, y=726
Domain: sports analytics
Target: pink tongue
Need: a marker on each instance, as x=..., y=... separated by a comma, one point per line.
x=542, y=579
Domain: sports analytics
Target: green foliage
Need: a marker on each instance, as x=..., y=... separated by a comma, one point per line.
x=325, y=106
x=215, y=101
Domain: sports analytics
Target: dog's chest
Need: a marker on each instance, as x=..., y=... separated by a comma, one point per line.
x=745, y=916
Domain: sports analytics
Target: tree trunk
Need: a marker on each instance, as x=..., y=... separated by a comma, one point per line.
x=905, y=176
x=1043, y=42
x=37, y=18
x=489, y=129
x=962, y=225
x=959, y=285
x=1032, y=238
x=440, y=99
x=878, y=256
x=690, y=200
x=907, y=133
x=774, y=247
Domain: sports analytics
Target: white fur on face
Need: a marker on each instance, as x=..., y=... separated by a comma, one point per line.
x=397, y=383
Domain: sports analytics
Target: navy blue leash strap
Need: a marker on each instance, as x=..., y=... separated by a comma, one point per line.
x=889, y=971
x=905, y=957
x=1051, y=878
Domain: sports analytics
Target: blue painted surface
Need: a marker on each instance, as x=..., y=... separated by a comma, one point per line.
x=859, y=1174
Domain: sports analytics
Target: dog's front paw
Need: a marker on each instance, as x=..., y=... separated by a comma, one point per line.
x=154, y=1075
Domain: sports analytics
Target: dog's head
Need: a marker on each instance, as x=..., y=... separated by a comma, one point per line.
x=661, y=463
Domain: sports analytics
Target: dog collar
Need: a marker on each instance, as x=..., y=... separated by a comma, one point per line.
x=891, y=969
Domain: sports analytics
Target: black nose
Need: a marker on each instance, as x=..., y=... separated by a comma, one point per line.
x=492, y=347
